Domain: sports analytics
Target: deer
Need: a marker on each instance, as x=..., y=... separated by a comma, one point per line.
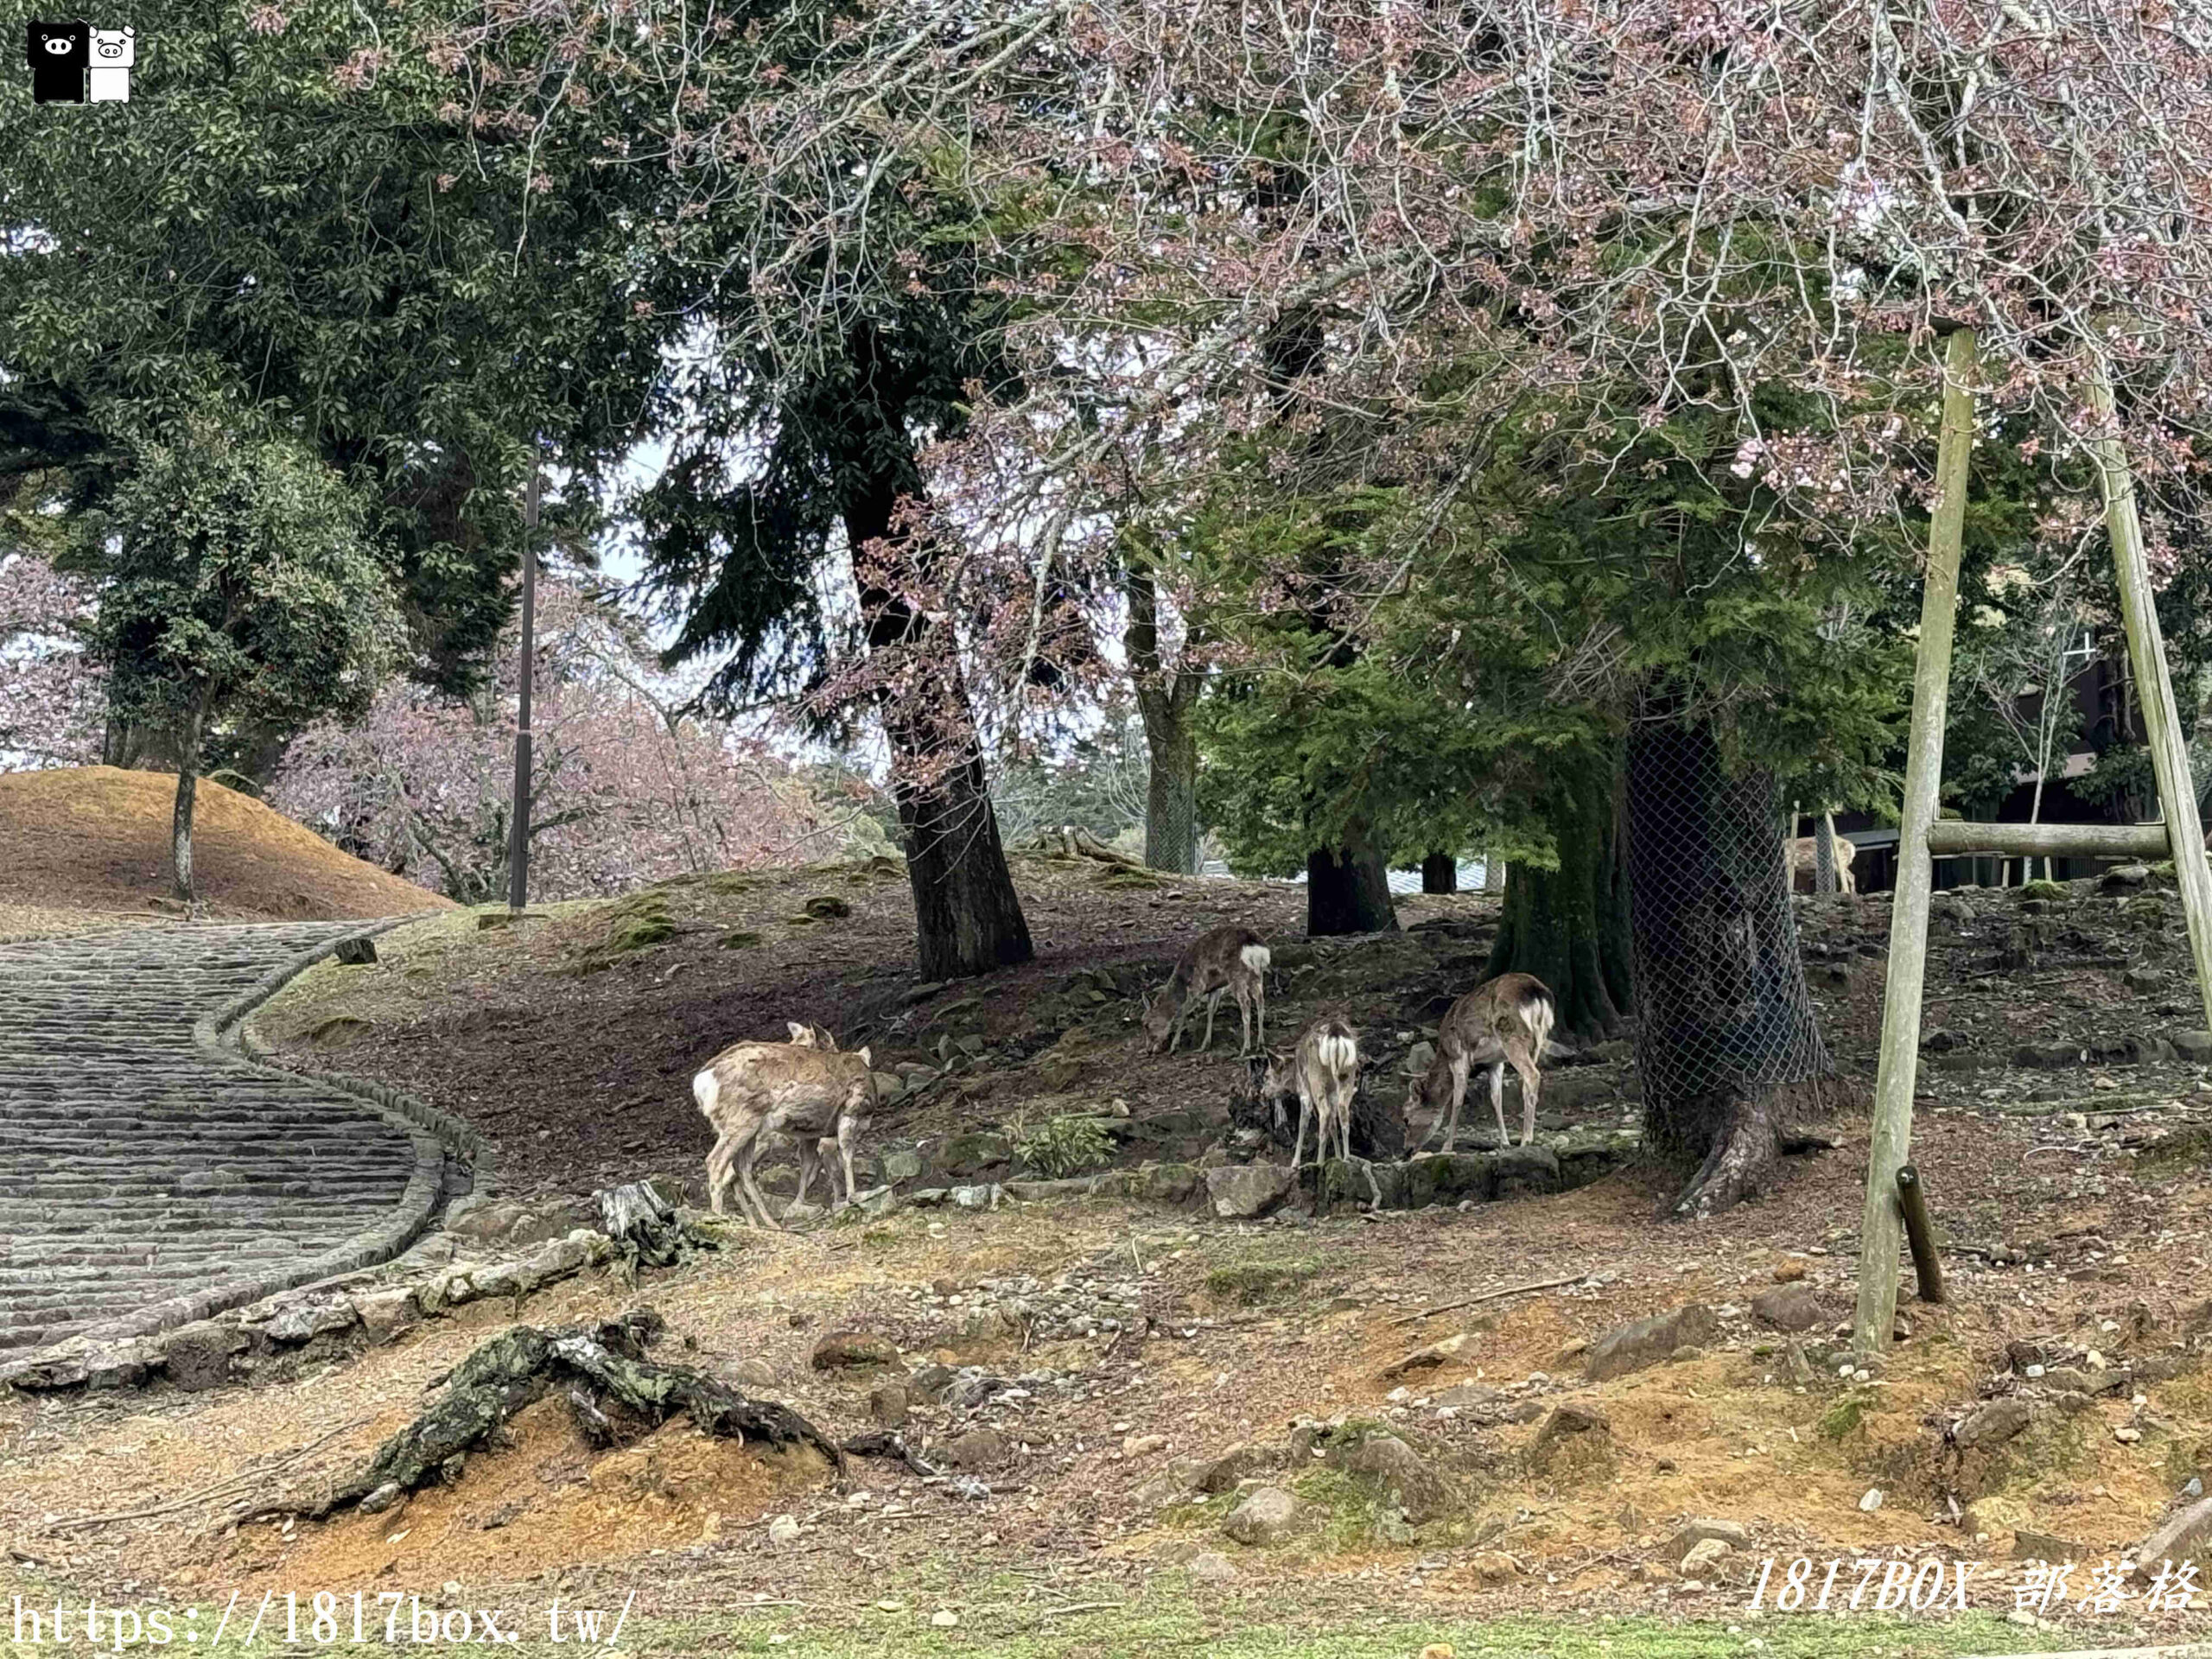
x=1322, y=1069
x=1505, y=1022
x=1804, y=858
x=817, y=1095
x=1230, y=960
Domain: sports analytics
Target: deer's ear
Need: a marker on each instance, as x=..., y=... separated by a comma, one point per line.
x=863, y=1054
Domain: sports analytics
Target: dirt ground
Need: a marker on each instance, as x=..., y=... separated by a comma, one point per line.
x=2060, y=1140
x=95, y=839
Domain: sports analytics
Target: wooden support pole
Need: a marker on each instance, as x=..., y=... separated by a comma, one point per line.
x=1920, y=1234
x=2154, y=686
x=1892, y=1141
x=1948, y=837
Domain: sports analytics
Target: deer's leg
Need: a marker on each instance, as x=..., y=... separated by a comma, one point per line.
x=1212, y=1003
x=751, y=1187
x=1458, y=1093
x=808, y=1157
x=1297, y=1146
x=847, y=1135
x=1531, y=1084
x=718, y=1174
x=1260, y=1006
x=1497, y=1101
x=1244, y=1017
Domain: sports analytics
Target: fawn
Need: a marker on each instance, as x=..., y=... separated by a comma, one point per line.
x=807, y=1090
x=1505, y=1022
x=1322, y=1071
x=1231, y=960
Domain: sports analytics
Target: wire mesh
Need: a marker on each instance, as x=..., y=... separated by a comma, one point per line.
x=1719, y=980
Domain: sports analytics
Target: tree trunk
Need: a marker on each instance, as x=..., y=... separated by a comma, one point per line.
x=967, y=917
x=1569, y=926
x=187, y=787
x=1439, y=873
x=1729, y=1053
x=1348, y=890
x=1166, y=699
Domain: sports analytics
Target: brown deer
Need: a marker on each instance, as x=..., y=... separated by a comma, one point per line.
x=1505, y=1022
x=817, y=1095
x=1322, y=1071
x=1804, y=858
x=1230, y=960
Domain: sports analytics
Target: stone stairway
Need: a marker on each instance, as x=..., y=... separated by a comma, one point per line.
x=135, y=1166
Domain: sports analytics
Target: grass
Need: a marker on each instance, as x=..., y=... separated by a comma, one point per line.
x=1254, y=1283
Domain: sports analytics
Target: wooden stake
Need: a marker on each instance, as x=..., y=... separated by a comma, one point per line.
x=2146, y=653
x=1891, y=1142
x=1920, y=1234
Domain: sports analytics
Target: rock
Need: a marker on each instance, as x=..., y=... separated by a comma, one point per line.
x=198, y=1357
x=1167, y=1183
x=753, y=1374
x=1647, y=1342
x=2124, y=878
x=1732, y=1534
x=1421, y=1492
x=386, y=1313
x=1424, y=1359
x=1164, y=1486
x=1238, y=1464
x=841, y=1351
x=1519, y=1172
x=972, y=1153
x=1267, y=1516
x=1419, y=1058
x=945, y=1619
x=784, y=1529
x=826, y=907
x=901, y=1165
x=887, y=1404
x=979, y=1448
x=1994, y=1423
x=1872, y=1501
x=1213, y=1568
x=1794, y=1306
x=1941, y=1040
x=2143, y=979
x=299, y=1321
x=980, y=1195
x=2195, y=1046
x=1493, y=1566
x=2183, y=1537
x=1703, y=1556
x=382, y=1498
x=355, y=953
x=1461, y=1395
x=1572, y=1441
x=1652, y=1573
x=2048, y=1056
x=1451, y=1178
x=1143, y=1446
x=1239, y=1191
x=2028, y=1545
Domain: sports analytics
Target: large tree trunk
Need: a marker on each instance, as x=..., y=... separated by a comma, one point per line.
x=187, y=787
x=1348, y=890
x=1165, y=700
x=1569, y=926
x=1729, y=1051
x=967, y=915
x=1439, y=873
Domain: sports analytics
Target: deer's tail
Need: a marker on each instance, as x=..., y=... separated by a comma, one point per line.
x=707, y=1090
x=1255, y=957
x=1339, y=1054
x=1538, y=1012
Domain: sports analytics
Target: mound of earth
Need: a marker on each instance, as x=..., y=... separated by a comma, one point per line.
x=96, y=838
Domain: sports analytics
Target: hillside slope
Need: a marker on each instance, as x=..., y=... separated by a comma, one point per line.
x=96, y=838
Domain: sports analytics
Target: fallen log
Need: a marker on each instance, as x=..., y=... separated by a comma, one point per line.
x=615, y=1392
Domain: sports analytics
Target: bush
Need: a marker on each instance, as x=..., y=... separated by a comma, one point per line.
x=1064, y=1145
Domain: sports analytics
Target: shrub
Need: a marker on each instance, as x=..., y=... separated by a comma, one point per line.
x=1063, y=1145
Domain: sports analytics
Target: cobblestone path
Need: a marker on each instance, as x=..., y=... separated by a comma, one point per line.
x=137, y=1167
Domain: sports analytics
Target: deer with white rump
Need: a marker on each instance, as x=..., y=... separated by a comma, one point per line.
x=1229, y=960
x=805, y=1089
x=1505, y=1022
x=1322, y=1071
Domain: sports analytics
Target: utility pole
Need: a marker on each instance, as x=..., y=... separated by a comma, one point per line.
x=519, y=846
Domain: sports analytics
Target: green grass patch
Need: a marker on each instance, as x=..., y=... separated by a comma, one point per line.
x=1842, y=1419
x=739, y=940
x=1255, y=1283
x=2040, y=889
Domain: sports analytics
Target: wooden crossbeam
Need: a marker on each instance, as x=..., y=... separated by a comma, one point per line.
x=1948, y=837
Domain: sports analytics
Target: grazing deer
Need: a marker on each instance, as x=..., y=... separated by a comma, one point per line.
x=818, y=1096
x=1322, y=1071
x=1505, y=1022
x=1231, y=960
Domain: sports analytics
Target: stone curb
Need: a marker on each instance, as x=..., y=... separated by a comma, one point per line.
x=434, y=1134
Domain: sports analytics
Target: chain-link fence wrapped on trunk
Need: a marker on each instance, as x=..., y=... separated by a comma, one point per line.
x=1728, y=1047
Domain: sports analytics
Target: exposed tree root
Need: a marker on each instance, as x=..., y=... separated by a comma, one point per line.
x=1745, y=1158
x=614, y=1391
